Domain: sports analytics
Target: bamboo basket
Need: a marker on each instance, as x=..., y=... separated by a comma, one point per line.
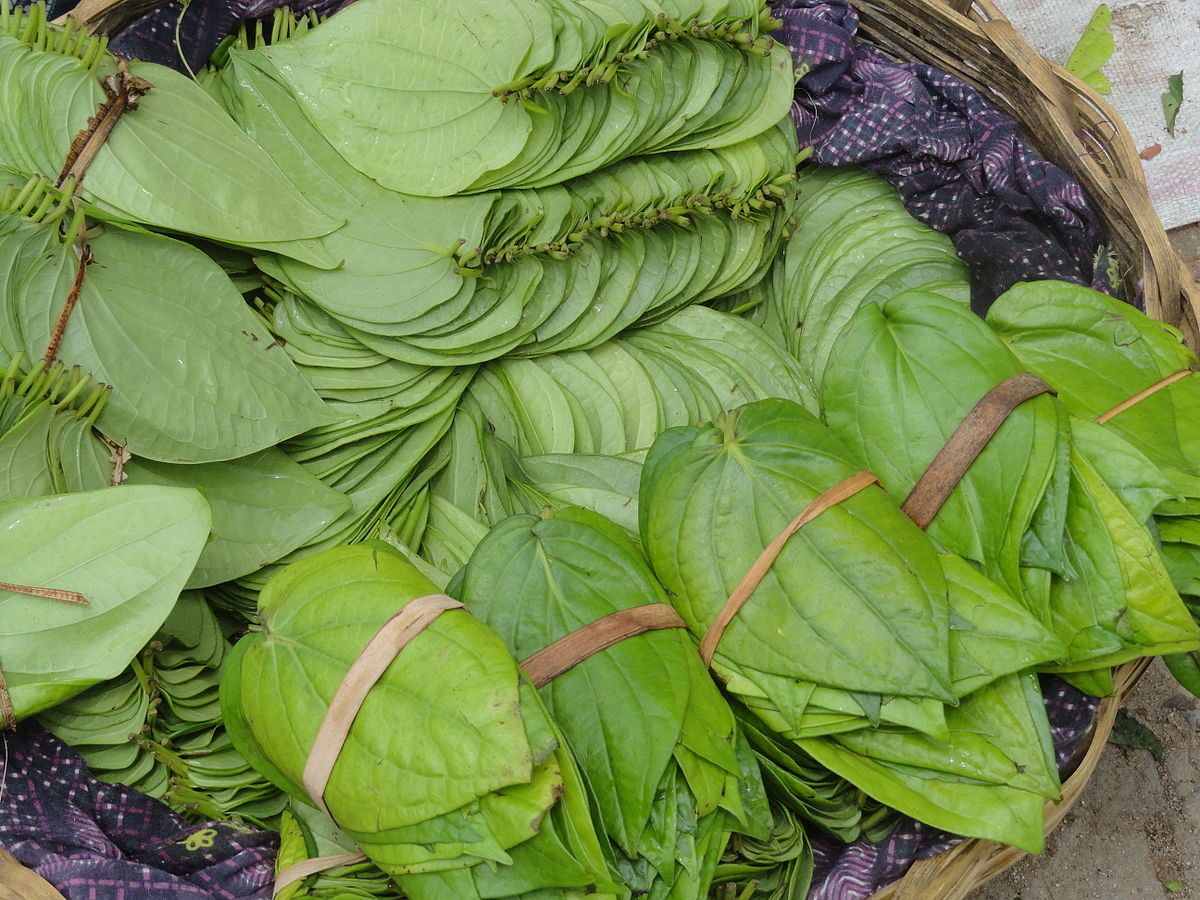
x=1081, y=133
x=1073, y=127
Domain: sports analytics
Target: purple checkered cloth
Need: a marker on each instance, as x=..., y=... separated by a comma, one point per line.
x=96, y=841
x=960, y=164
x=856, y=871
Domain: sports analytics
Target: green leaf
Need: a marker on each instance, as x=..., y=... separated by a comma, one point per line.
x=991, y=632
x=176, y=161
x=1094, y=50
x=435, y=775
x=1001, y=792
x=735, y=484
x=537, y=579
x=887, y=394
x=1120, y=604
x=394, y=95
x=1098, y=352
x=195, y=375
x=128, y=550
x=263, y=507
x=1172, y=99
x=1185, y=667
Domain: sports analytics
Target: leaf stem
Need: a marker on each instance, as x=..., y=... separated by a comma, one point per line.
x=48, y=593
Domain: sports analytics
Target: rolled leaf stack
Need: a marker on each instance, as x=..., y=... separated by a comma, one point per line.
x=47, y=445
x=157, y=727
x=779, y=867
x=1100, y=354
x=881, y=694
x=655, y=740
x=557, y=89
x=438, y=281
x=452, y=778
x=1064, y=543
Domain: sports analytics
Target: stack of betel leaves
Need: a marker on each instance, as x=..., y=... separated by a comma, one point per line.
x=530, y=478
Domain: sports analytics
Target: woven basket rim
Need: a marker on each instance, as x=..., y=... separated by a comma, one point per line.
x=1075, y=128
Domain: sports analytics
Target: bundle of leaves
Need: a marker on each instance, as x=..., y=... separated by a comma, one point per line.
x=1064, y=544
x=1139, y=464
x=556, y=89
x=668, y=800
x=463, y=279
x=453, y=778
x=911, y=683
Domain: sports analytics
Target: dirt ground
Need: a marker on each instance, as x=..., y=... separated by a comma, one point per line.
x=1135, y=833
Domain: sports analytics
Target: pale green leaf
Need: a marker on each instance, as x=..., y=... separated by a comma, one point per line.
x=1172, y=99
x=1094, y=50
x=196, y=376
x=128, y=550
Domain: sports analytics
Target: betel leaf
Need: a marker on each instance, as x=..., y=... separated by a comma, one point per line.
x=263, y=507
x=427, y=121
x=604, y=484
x=1098, y=352
x=734, y=485
x=176, y=161
x=47, y=445
x=182, y=753
x=1094, y=50
x=535, y=580
x=128, y=550
x=889, y=394
x=1185, y=667
x=397, y=251
x=991, y=633
x=307, y=833
x=853, y=243
x=1172, y=99
x=293, y=607
x=195, y=375
x=1139, y=483
x=553, y=91
x=1120, y=603
x=779, y=866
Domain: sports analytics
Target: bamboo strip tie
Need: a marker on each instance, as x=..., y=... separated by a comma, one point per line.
x=583, y=643
x=1142, y=395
